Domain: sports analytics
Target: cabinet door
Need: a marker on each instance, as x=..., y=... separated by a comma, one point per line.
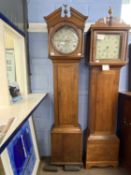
x=21, y=151
x=126, y=146
x=66, y=93
x=17, y=154
x=126, y=132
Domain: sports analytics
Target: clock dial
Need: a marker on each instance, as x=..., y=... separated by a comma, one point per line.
x=65, y=40
x=107, y=46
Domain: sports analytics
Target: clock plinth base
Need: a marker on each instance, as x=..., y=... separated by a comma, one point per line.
x=101, y=164
x=66, y=146
x=102, y=151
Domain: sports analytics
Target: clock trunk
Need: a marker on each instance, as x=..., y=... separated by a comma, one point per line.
x=102, y=143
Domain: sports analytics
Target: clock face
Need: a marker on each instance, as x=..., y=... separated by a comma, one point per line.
x=65, y=40
x=107, y=46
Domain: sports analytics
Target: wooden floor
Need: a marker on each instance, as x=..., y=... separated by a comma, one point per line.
x=93, y=171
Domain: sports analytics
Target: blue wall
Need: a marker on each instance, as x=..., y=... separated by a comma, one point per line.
x=94, y=9
x=15, y=11
x=41, y=66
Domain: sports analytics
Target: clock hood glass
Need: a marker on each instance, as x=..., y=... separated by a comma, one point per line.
x=65, y=40
x=107, y=46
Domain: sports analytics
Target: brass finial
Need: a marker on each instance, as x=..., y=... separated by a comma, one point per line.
x=110, y=11
x=110, y=18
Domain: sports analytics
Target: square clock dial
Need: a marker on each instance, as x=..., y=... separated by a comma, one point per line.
x=107, y=46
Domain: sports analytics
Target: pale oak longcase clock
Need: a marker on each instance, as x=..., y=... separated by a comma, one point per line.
x=65, y=36
x=108, y=41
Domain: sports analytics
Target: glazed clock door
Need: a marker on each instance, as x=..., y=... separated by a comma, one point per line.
x=67, y=87
x=107, y=46
x=65, y=40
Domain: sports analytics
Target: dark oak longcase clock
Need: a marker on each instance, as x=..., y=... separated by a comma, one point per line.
x=65, y=36
x=107, y=42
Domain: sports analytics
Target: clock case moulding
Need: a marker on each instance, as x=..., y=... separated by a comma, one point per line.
x=66, y=133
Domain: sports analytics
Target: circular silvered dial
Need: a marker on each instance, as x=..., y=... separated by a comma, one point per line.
x=65, y=40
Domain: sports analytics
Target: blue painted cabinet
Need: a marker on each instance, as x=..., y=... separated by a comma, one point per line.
x=21, y=151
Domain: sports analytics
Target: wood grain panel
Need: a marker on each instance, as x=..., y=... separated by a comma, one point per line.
x=102, y=144
x=102, y=151
x=105, y=104
x=63, y=149
x=67, y=96
x=124, y=118
x=106, y=95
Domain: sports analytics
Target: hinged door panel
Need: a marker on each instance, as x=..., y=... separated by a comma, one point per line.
x=67, y=93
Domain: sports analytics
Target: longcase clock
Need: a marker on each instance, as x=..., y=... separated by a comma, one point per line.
x=65, y=36
x=108, y=39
